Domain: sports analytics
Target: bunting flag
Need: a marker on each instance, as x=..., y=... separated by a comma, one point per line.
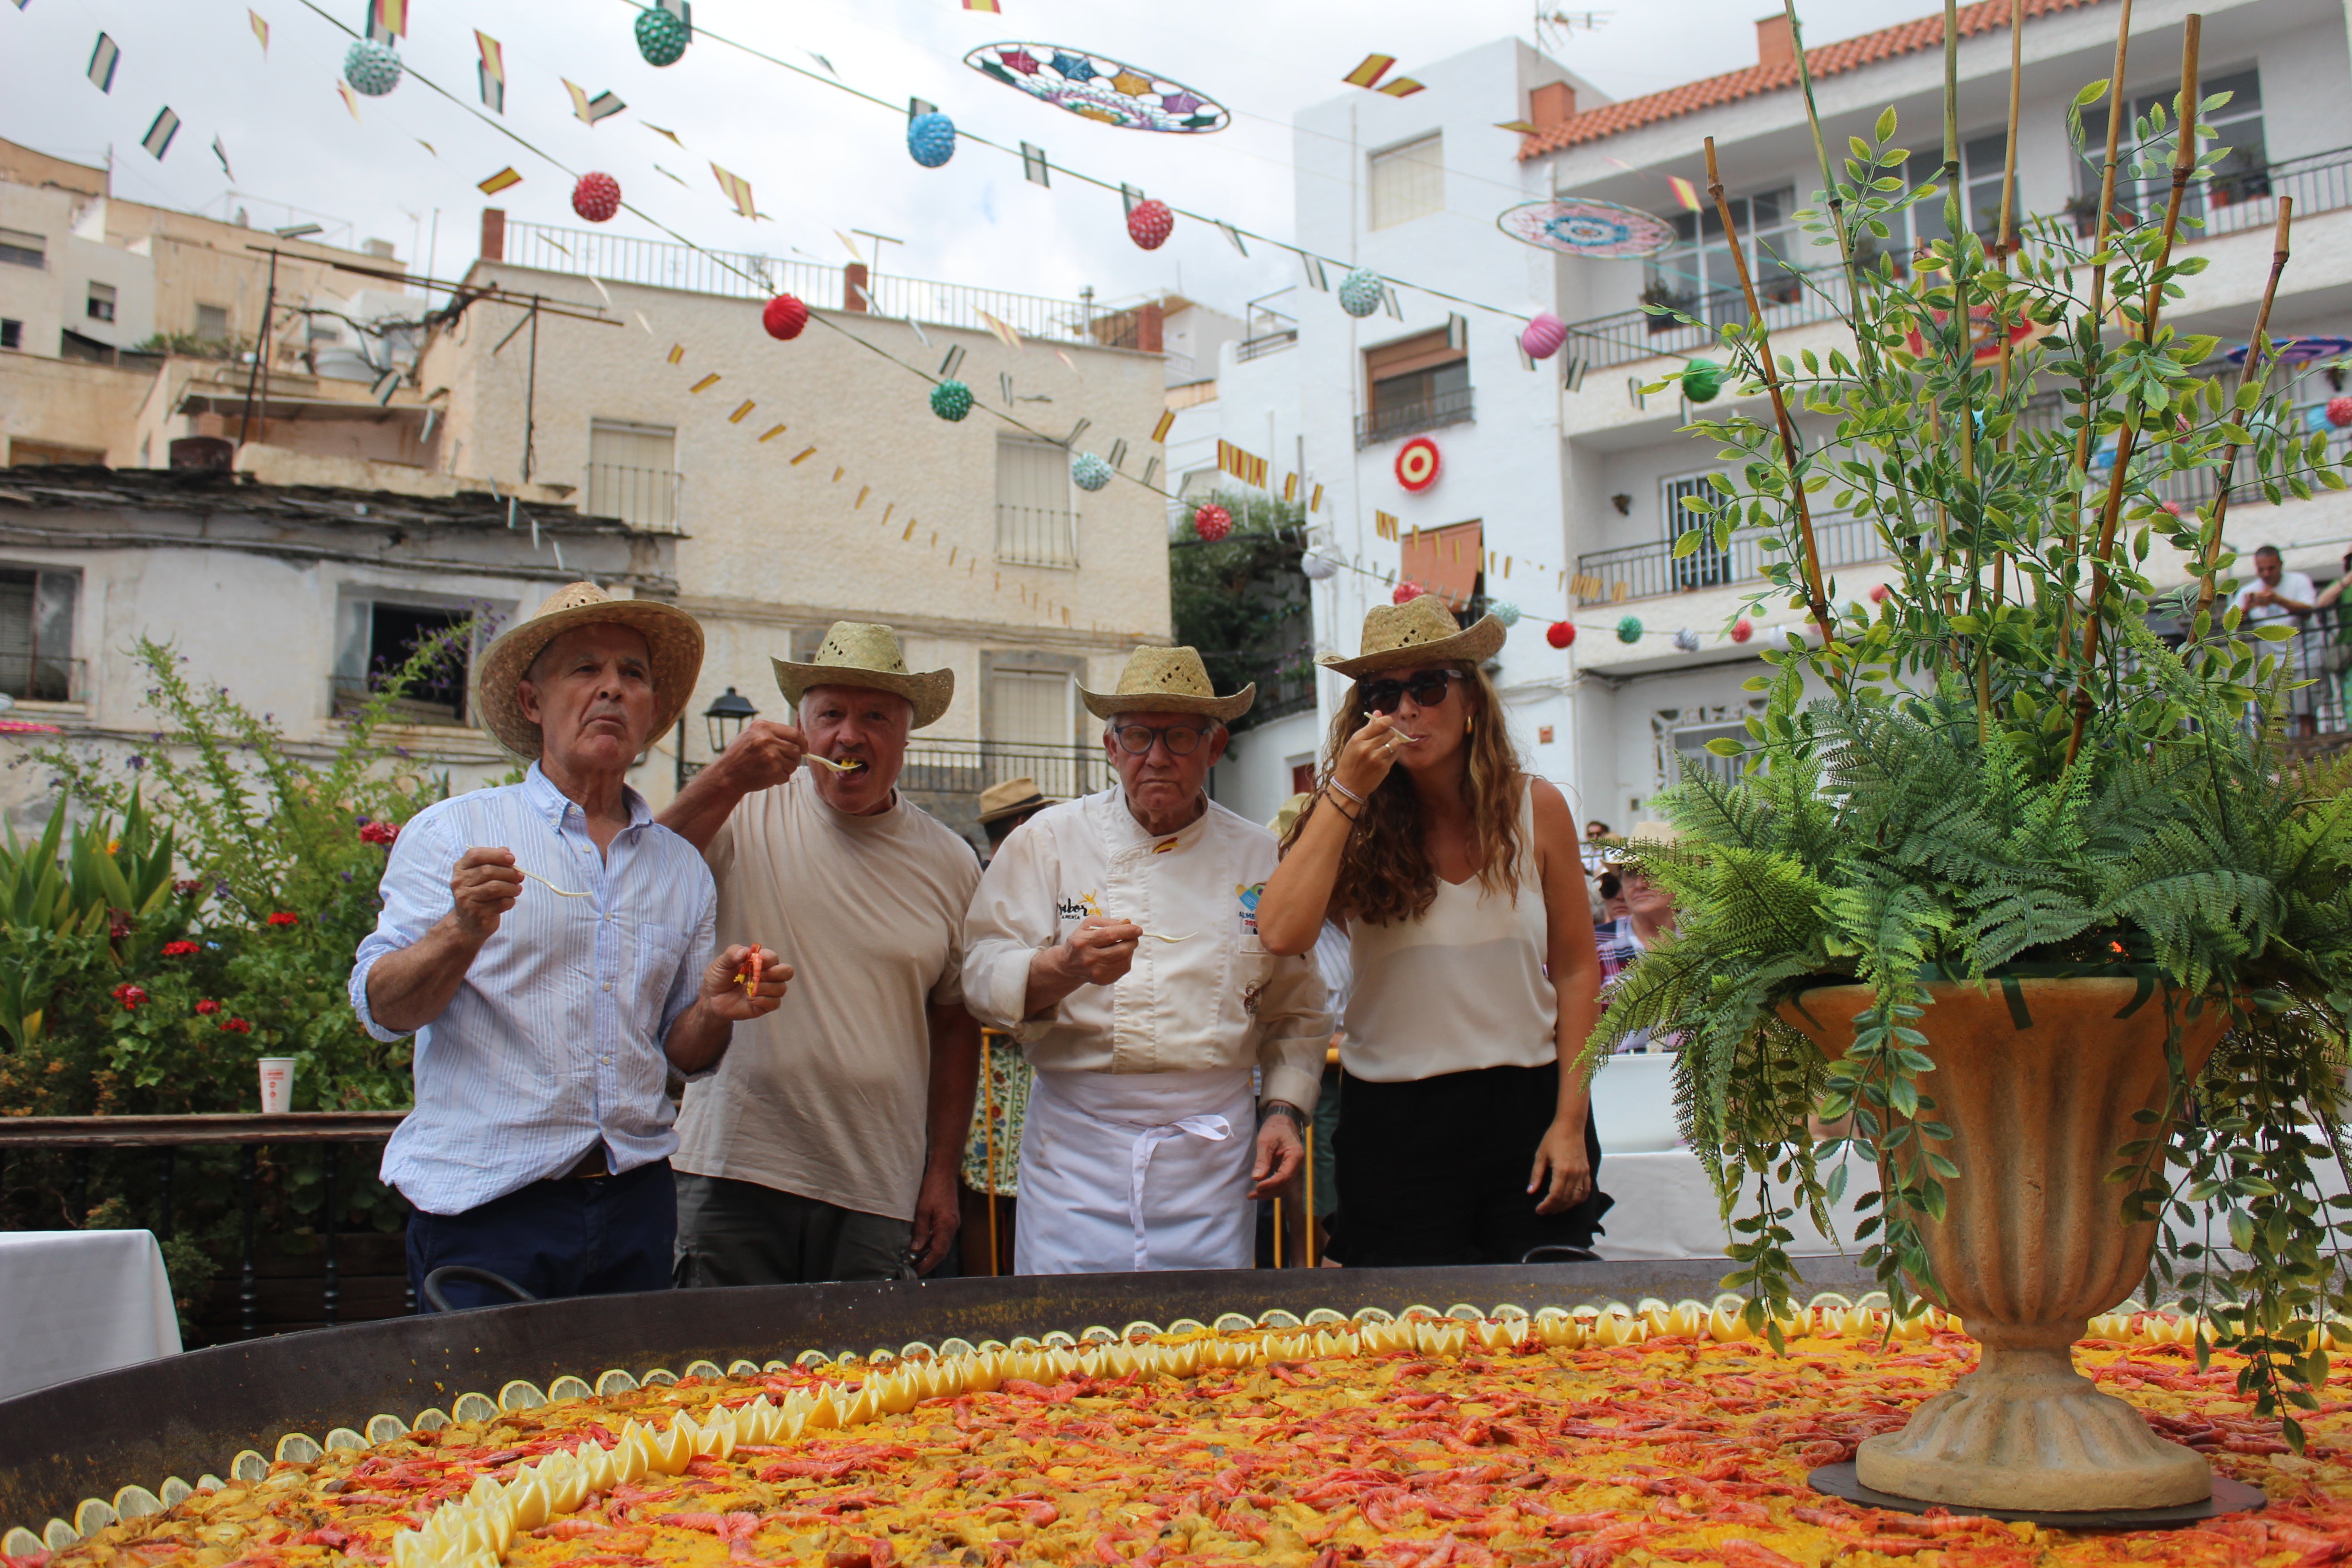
x=850, y=246
x=102, y=61
x=1315, y=278
x=222, y=154
x=1403, y=87
x=659, y=170
x=660, y=132
x=1384, y=525
x=1315, y=503
x=1290, y=487
x=1368, y=74
x=352, y=101
x=1230, y=232
x=1247, y=466
x=1005, y=334
x=260, y=30
x=500, y=181
x=158, y=139
x=387, y=20
x=1033, y=167
x=1167, y=423
x=738, y=189
x=603, y=106
x=1684, y=191
x=990, y=6
x=1523, y=127
x=492, y=71
x=706, y=384
x=745, y=409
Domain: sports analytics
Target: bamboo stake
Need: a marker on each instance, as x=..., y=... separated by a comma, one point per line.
x=1865, y=348
x=2209, y=546
x=2002, y=247
x=1816, y=600
x=2117, y=107
x=988, y=1139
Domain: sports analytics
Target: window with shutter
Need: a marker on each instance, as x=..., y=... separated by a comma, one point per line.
x=37, y=630
x=1036, y=524
x=632, y=473
x=1407, y=182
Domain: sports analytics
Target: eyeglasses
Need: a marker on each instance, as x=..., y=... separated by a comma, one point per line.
x=1182, y=739
x=1427, y=687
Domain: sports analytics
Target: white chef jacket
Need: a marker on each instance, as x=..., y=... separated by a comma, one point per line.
x=1217, y=999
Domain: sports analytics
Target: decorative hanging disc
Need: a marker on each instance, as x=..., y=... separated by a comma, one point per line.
x=661, y=38
x=1089, y=472
x=370, y=68
x=1687, y=640
x=1542, y=337
x=785, y=318
x=1577, y=226
x=1417, y=463
x=1099, y=88
x=1505, y=612
x=930, y=139
x=1407, y=592
x=596, y=197
x=1212, y=522
x=1629, y=629
x=951, y=400
x=1742, y=630
x=1560, y=634
x=1702, y=380
x=1361, y=292
x=1318, y=566
x=1151, y=224
x=2296, y=350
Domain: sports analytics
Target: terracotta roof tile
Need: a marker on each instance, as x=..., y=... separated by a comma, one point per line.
x=1826, y=60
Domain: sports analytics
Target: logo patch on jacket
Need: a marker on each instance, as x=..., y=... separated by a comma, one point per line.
x=1081, y=906
x=1249, y=895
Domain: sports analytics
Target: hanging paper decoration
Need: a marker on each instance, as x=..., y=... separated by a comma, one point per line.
x=1505, y=612
x=596, y=197
x=1560, y=634
x=1879, y=596
x=1576, y=226
x=2339, y=412
x=1362, y=291
x=951, y=400
x=2296, y=351
x=930, y=139
x=1089, y=472
x=1212, y=522
x=785, y=318
x=1702, y=379
x=1687, y=640
x=1319, y=567
x=661, y=38
x=1151, y=224
x=1098, y=88
x=1742, y=630
x=1629, y=629
x=1407, y=592
x=1543, y=336
x=1417, y=463
x=370, y=68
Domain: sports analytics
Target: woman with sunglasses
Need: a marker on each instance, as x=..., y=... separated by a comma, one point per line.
x=1465, y=1132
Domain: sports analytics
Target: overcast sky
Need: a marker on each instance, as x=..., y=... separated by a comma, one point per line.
x=819, y=160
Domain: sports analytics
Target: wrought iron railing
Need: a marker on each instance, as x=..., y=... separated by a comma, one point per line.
x=1647, y=570
x=37, y=677
x=1412, y=418
x=649, y=499
x=967, y=767
x=1036, y=535
x=1790, y=298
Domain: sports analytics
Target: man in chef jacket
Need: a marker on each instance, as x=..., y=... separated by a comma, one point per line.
x=1116, y=938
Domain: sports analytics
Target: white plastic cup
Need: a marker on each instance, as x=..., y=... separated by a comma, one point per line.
x=277, y=1084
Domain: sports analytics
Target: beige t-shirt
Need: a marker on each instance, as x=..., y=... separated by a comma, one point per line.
x=828, y=1096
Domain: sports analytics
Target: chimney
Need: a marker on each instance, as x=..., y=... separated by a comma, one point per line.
x=1774, y=46
x=853, y=278
x=494, y=234
x=1551, y=104
x=1150, y=324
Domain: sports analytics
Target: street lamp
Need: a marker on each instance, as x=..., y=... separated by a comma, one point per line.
x=727, y=715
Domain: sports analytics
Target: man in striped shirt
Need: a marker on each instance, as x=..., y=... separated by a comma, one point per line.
x=548, y=1015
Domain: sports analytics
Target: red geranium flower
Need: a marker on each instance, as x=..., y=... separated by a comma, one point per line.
x=129, y=995
x=207, y=1008
x=378, y=833
x=285, y=918
x=181, y=949
x=236, y=1025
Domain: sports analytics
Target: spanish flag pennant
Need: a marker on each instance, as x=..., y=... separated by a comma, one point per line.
x=737, y=417
x=603, y=106
x=491, y=70
x=1290, y=487
x=1005, y=334
x=387, y=20
x=804, y=456
x=706, y=383
x=1315, y=503
x=738, y=190
x=990, y=6
x=351, y=102
x=260, y=30
x=1167, y=423
x=1684, y=191
x=1369, y=72
x=500, y=181
x=773, y=432
x=1402, y=87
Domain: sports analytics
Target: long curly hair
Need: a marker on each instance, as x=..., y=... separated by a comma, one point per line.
x=1386, y=875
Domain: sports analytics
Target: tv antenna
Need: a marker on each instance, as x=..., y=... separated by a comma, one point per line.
x=1555, y=27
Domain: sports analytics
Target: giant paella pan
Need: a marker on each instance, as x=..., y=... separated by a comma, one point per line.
x=1580, y=1412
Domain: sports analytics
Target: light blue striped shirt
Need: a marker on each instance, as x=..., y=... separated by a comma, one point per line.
x=553, y=1040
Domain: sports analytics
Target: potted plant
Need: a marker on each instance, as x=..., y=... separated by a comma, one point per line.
x=2007, y=884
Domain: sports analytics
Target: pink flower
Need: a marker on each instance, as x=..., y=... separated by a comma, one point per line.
x=378, y=832
x=129, y=995
x=181, y=949
x=190, y=887
x=207, y=1008
x=285, y=918
x=236, y=1025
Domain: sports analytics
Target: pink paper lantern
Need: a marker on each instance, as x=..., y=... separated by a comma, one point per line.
x=1542, y=337
x=1742, y=630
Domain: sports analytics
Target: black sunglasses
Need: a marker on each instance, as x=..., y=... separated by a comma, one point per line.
x=1427, y=687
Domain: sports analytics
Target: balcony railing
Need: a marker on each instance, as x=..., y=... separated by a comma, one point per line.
x=967, y=767
x=644, y=498
x=748, y=275
x=1790, y=298
x=1412, y=418
x=2240, y=199
x=37, y=677
x=1272, y=343
x=1647, y=570
x=1036, y=536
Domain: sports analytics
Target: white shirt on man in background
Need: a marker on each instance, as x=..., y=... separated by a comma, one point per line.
x=2295, y=586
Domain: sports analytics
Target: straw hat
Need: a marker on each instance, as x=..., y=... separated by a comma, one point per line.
x=1168, y=681
x=1011, y=798
x=673, y=638
x=1286, y=813
x=1656, y=834
x=1421, y=632
x=859, y=653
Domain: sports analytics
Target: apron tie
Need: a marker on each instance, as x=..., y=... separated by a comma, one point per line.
x=1215, y=1129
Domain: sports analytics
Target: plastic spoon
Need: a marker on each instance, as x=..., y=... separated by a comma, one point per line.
x=836, y=767
x=559, y=892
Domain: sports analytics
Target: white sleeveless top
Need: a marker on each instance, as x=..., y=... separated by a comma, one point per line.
x=1461, y=988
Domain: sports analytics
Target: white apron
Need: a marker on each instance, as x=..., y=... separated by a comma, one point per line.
x=1125, y=1172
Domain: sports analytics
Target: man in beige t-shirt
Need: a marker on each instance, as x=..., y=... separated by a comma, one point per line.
x=827, y=1145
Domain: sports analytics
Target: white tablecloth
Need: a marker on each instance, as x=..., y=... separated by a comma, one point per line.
x=76, y=1302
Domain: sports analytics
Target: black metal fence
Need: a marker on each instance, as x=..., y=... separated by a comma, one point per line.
x=1413, y=418
x=1646, y=571
x=967, y=767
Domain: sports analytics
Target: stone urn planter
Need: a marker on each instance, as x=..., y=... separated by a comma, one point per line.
x=2032, y=1243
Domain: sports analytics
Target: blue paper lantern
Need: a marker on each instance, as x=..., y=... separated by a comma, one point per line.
x=1505, y=612
x=951, y=400
x=1629, y=629
x=930, y=139
x=1687, y=640
x=1361, y=292
x=370, y=68
x=1088, y=472
x=661, y=38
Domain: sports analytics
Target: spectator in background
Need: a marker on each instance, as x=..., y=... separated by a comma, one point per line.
x=2275, y=593
x=1649, y=914
x=1613, y=907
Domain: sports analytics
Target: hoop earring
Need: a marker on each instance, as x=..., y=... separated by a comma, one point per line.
x=1469, y=724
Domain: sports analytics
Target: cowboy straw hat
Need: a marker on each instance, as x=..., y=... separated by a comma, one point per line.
x=1421, y=632
x=1168, y=681
x=673, y=639
x=860, y=653
x=1011, y=798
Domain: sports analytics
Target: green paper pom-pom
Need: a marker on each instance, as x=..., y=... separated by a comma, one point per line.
x=370, y=68
x=951, y=400
x=1361, y=292
x=661, y=38
x=1702, y=379
x=1089, y=472
x=1629, y=629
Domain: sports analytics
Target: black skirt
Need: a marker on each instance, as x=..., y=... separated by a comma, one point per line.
x=1434, y=1171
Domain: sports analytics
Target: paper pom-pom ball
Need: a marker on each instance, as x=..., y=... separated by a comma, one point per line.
x=1318, y=566
x=1629, y=629
x=951, y=400
x=1742, y=630
x=661, y=38
x=1151, y=224
x=1543, y=335
x=2339, y=412
x=1505, y=612
x=785, y=318
x=930, y=139
x=1407, y=592
x=370, y=68
x=596, y=197
x=1088, y=472
x=1687, y=640
x=1360, y=291
x=1560, y=634
x=1212, y=522
x=1702, y=379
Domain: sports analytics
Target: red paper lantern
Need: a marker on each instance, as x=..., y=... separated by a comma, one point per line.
x=1151, y=224
x=1407, y=592
x=2339, y=412
x=596, y=197
x=1212, y=522
x=785, y=318
x=1742, y=630
x=1417, y=463
x=1560, y=634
